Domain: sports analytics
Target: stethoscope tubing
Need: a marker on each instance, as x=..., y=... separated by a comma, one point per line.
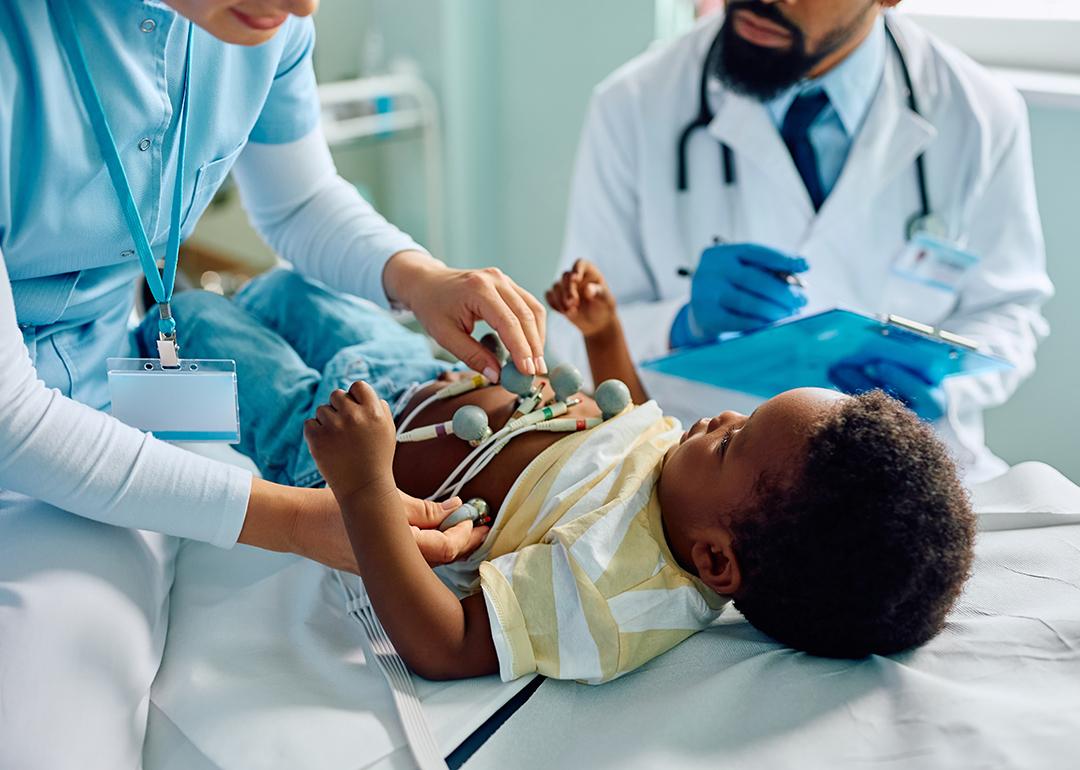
x=705, y=117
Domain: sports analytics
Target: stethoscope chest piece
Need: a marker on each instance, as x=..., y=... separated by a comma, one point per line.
x=927, y=224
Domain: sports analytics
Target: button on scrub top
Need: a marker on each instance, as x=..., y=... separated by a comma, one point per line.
x=68, y=251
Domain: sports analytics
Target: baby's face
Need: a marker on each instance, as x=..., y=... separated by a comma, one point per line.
x=717, y=463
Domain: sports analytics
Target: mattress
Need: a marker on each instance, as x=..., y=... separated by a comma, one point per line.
x=263, y=669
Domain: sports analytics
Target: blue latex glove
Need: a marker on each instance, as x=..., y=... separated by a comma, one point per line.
x=733, y=290
x=926, y=399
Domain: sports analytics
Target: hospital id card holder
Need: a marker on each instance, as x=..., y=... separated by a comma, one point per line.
x=193, y=401
x=934, y=262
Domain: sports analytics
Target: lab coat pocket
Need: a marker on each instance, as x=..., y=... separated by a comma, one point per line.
x=918, y=301
x=208, y=180
x=925, y=279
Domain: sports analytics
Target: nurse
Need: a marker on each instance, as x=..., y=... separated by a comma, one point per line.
x=828, y=140
x=176, y=95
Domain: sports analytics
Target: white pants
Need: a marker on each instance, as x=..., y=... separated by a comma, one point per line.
x=83, y=615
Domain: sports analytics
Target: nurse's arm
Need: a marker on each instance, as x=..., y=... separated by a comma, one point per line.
x=318, y=221
x=84, y=461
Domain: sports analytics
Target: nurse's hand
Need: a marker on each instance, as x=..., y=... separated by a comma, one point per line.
x=437, y=547
x=737, y=287
x=449, y=302
x=926, y=399
x=313, y=528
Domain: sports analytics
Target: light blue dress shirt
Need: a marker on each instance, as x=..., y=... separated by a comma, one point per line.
x=71, y=259
x=851, y=86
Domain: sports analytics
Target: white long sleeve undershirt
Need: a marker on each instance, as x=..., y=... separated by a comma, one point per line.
x=84, y=461
x=315, y=219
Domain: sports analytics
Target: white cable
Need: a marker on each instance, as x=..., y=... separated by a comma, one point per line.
x=423, y=405
x=418, y=734
x=483, y=461
x=486, y=444
x=559, y=408
x=403, y=399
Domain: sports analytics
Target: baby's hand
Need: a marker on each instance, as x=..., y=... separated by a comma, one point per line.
x=352, y=440
x=583, y=296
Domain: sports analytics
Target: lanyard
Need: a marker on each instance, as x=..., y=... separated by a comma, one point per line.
x=161, y=286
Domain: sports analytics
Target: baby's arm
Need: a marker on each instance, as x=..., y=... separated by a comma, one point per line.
x=584, y=298
x=440, y=637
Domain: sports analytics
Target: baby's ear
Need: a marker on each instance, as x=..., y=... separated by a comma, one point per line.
x=716, y=563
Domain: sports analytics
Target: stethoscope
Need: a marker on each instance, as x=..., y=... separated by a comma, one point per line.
x=925, y=221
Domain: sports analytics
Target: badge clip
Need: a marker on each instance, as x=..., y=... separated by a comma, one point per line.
x=169, y=353
x=168, y=350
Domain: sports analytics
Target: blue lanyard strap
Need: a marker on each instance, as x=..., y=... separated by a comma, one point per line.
x=161, y=286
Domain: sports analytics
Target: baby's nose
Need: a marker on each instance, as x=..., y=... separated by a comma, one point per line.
x=723, y=419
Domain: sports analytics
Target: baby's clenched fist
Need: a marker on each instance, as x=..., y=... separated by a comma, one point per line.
x=352, y=440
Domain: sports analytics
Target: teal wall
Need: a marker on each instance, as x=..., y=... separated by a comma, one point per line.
x=1042, y=421
x=513, y=79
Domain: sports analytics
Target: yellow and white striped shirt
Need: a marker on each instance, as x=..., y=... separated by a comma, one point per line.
x=577, y=576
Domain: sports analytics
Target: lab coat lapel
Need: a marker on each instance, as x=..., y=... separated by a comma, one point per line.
x=744, y=125
x=888, y=143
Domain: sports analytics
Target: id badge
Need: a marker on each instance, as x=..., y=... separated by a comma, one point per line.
x=195, y=402
x=934, y=262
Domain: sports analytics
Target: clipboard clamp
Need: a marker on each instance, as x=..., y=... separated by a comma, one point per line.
x=929, y=331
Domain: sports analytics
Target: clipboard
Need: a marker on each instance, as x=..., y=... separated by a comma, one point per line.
x=800, y=352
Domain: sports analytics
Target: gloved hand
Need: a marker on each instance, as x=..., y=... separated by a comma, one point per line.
x=926, y=399
x=734, y=290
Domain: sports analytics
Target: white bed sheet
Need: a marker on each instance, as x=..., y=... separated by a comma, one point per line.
x=1000, y=688
x=264, y=670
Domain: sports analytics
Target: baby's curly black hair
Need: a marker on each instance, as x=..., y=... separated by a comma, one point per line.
x=867, y=551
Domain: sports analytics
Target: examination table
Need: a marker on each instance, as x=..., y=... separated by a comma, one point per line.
x=265, y=669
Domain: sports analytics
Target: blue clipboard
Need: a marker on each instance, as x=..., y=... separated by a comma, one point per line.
x=799, y=352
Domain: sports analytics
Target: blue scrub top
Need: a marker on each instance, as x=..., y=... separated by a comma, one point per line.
x=69, y=255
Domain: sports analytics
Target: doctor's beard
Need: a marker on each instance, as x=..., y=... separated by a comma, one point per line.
x=764, y=73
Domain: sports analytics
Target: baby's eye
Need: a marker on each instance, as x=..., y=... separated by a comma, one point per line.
x=725, y=440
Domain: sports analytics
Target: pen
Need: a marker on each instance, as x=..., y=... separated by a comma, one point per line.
x=789, y=278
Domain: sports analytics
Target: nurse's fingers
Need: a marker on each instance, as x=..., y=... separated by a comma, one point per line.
x=444, y=547
x=532, y=318
x=539, y=313
x=427, y=514
x=492, y=308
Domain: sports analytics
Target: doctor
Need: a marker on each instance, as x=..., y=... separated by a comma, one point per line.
x=162, y=92
x=828, y=140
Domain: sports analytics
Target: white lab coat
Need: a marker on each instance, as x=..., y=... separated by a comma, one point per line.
x=626, y=215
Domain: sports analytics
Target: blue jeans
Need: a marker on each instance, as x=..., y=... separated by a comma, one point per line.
x=294, y=342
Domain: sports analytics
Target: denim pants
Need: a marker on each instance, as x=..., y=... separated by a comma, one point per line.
x=294, y=342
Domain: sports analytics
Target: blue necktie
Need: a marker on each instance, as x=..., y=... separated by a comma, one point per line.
x=796, y=133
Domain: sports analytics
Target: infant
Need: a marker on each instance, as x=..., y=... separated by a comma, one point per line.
x=835, y=524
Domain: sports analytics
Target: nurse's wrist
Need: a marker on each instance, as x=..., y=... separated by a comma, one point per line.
x=270, y=521
x=405, y=271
